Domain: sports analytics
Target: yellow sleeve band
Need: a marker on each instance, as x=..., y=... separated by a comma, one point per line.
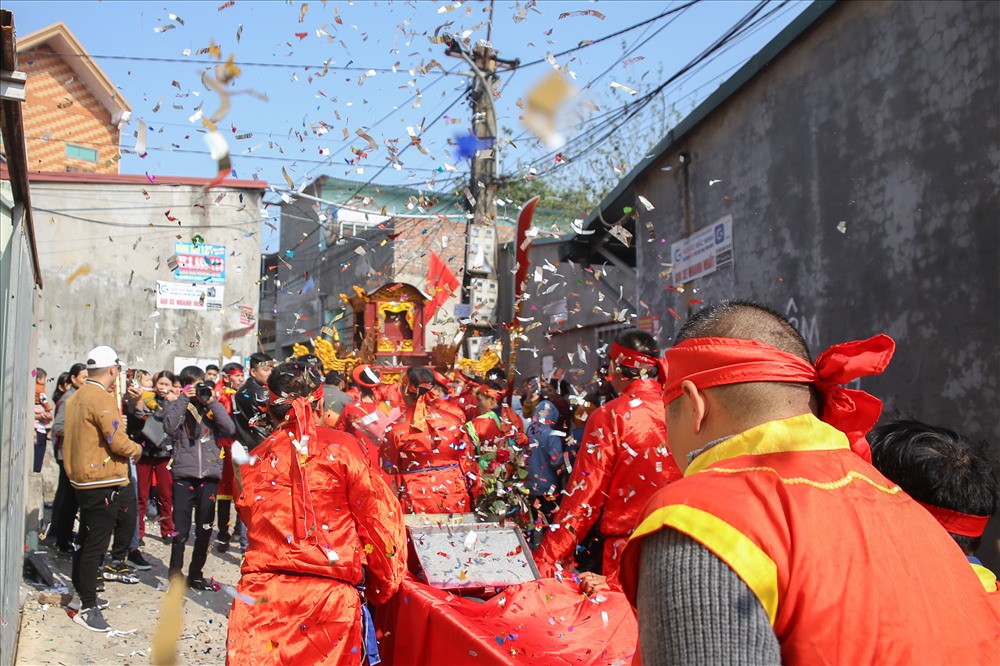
x=736, y=549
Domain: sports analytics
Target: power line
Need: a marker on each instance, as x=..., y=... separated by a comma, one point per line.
x=639, y=44
x=191, y=151
x=189, y=61
x=390, y=113
x=614, y=34
x=629, y=110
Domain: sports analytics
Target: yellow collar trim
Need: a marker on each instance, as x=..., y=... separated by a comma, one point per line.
x=986, y=577
x=798, y=433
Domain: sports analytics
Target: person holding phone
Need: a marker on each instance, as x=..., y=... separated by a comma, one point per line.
x=196, y=420
x=145, y=418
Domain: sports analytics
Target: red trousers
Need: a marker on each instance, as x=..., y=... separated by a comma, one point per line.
x=147, y=468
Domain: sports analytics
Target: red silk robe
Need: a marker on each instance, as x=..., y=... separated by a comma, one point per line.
x=848, y=568
x=359, y=419
x=225, y=491
x=299, y=603
x=466, y=400
x=623, y=461
x=433, y=468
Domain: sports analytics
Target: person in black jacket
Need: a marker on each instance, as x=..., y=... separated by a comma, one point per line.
x=253, y=425
x=196, y=420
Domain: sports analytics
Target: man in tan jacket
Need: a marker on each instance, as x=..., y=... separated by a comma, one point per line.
x=95, y=455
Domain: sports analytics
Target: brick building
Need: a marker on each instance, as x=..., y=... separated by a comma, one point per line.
x=328, y=247
x=73, y=113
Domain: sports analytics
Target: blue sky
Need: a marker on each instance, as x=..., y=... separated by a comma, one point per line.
x=283, y=47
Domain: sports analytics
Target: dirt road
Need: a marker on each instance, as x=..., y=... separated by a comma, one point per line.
x=49, y=636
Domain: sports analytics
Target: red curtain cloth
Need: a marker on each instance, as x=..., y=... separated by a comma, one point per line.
x=541, y=622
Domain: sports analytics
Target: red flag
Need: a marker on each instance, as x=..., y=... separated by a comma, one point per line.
x=441, y=284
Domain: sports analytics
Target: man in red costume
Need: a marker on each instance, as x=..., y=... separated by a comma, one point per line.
x=782, y=543
x=325, y=535
x=496, y=425
x=427, y=452
x=463, y=393
x=225, y=388
x=948, y=474
x=369, y=416
x=623, y=460
x=442, y=400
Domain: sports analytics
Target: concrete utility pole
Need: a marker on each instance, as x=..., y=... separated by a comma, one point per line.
x=480, y=286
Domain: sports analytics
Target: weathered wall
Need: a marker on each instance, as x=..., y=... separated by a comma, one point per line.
x=355, y=247
x=105, y=246
x=593, y=296
x=860, y=168
x=18, y=512
x=335, y=267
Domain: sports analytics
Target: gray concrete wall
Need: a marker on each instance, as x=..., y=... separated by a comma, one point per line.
x=860, y=169
x=334, y=266
x=591, y=307
x=103, y=249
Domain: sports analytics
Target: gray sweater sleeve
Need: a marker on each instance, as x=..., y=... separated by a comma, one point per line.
x=694, y=609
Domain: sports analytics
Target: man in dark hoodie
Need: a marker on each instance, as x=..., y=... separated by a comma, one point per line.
x=253, y=424
x=196, y=420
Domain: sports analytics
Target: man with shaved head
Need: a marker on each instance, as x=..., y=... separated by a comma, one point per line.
x=782, y=543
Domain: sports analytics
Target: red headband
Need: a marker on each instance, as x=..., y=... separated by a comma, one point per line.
x=709, y=362
x=963, y=524
x=496, y=394
x=637, y=360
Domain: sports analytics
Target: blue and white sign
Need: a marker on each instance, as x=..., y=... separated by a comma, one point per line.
x=706, y=251
x=200, y=262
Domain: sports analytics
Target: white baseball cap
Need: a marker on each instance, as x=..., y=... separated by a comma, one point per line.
x=101, y=357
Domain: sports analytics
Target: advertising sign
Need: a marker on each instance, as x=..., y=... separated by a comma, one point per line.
x=174, y=296
x=200, y=262
x=706, y=251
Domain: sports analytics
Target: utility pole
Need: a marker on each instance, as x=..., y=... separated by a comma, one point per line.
x=480, y=286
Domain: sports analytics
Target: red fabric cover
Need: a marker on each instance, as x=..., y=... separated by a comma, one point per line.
x=307, y=608
x=445, y=405
x=408, y=453
x=467, y=401
x=544, y=622
x=623, y=460
x=864, y=576
x=709, y=362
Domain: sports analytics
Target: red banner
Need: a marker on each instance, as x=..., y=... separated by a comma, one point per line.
x=441, y=284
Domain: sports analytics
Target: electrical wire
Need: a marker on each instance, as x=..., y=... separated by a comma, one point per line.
x=189, y=61
x=612, y=35
x=628, y=111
